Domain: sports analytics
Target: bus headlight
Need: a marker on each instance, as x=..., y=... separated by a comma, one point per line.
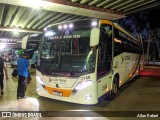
x=84, y=84
x=39, y=79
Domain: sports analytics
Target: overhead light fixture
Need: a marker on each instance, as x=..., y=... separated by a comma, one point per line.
x=49, y=33
x=45, y=29
x=60, y=27
x=94, y=24
x=15, y=31
x=33, y=3
x=34, y=35
x=70, y=25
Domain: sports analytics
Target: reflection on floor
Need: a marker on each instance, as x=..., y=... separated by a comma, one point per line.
x=27, y=104
x=9, y=102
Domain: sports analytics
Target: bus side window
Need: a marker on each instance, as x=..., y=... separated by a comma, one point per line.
x=118, y=46
x=102, y=48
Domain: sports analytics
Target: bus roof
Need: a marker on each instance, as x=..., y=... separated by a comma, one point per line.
x=115, y=24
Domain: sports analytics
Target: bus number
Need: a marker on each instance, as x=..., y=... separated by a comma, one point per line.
x=85, y=78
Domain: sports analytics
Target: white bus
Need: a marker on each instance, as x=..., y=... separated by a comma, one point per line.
x=85, y=61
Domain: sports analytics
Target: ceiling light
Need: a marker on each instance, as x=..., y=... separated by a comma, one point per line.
x=60, y=27
x=15, y=31
x=33, y=3
x=70, y=25
x=49, y=33
x=94, y=23
x=45, y=29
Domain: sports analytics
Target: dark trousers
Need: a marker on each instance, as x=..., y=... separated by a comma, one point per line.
x=29, y=77
x=1, y=81
x=22, y=86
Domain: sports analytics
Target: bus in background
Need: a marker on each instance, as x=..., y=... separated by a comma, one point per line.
x=15, y=55
x=86, y=61
x=6, y=55
x=32, y=46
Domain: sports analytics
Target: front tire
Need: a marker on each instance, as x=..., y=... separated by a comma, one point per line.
x=113, y=92
x=138, y=74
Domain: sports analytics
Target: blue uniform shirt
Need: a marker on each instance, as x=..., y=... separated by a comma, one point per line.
x=23, y=65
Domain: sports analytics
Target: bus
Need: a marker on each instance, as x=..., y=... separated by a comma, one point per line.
x=32, y=46
x=15, y=55
x=86, y=61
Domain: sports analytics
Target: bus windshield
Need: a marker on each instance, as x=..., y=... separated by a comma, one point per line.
x=67, y=51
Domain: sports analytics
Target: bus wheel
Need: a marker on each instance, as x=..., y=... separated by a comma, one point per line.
x=138, y=74
x=113, y=92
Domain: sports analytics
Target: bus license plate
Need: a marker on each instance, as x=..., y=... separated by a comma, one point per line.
x=57, y=93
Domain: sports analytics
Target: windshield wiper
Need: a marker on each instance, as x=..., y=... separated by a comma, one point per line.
x=70, y=65
x=59, y=61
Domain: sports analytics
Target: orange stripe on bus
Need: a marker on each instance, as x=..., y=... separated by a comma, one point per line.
x=109, y=23
x=65, y=93
x=105, y=22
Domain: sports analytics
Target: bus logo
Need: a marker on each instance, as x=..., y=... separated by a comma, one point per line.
x=67, y=32
x=57, y=80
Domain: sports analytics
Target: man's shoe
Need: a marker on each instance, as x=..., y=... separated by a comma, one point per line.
x=19, y=97
x=24, y=97
x=2, y=93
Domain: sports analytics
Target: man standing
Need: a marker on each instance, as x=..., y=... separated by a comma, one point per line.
x=23, y=67
x=3, y=66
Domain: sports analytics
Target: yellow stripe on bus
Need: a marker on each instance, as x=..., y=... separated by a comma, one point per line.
x=109, y=23
x=105, y=22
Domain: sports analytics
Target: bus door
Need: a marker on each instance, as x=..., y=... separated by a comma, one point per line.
x=104, y=75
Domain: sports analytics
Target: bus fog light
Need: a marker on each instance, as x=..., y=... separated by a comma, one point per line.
x=89, y=97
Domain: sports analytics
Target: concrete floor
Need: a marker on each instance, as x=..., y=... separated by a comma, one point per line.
x=141, y=94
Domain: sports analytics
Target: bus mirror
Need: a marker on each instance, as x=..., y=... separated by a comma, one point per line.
x=24, y=41
x=94, y=37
